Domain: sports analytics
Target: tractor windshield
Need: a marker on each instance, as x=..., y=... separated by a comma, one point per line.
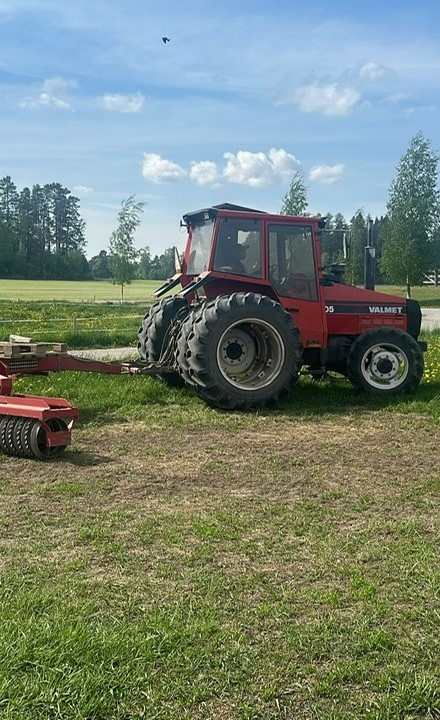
x=201, y=236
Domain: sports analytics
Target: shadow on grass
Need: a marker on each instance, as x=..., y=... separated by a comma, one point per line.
x=339, y=397
x=306, y=399
x=83, y=459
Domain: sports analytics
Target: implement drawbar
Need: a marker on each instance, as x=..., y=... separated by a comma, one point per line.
x=38, y=427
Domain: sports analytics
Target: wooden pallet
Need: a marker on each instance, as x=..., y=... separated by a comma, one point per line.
x=30, y=349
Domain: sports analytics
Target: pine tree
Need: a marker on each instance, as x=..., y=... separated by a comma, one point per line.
x=9, y=202
x=358, y=240
x=414, y=216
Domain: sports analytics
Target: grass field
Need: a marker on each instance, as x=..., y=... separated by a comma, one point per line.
x=141, y=291
x=80, y=291
x=80, y=325
x=428, y=295
x=181, y=562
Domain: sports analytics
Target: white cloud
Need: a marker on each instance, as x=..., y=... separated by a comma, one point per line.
x=259, y=169
x=55, y=86
x=159, y=170
x=397, y=97
x=330, y=99
x=204, y=172
x=373, y=71
x=46, y=99
x=326, y=174
x=122, y=103
x=50, y=94
x=82, y=190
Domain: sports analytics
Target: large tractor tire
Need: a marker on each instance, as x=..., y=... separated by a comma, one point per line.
x=385, y=361
x=185, y=334
x=239, y=351
x=154, y=330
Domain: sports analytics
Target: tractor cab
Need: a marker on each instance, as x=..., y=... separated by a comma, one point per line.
x=235, y=249
x=230, y=246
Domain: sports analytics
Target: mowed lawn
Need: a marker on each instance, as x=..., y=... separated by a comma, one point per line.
x=179, y=562
x=79, y=291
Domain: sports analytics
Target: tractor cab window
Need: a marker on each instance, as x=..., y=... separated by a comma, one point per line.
x=238, y=247
x=291, y=261
x=201, y=238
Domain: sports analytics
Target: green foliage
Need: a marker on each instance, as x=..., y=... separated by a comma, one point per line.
x=99, y=267
x=156, y=268
x=412, y=233
x=41, y=232
x=332, y=239
x=144, y=264
x=122, y=252
x=358, y=239
x=162, y=266
x=295, y=201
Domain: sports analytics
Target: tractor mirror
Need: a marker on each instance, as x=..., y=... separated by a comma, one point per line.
x=177, y=261
x=346, y=245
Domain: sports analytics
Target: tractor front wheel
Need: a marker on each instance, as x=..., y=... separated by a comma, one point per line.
x=241, y=351
x=385, y=361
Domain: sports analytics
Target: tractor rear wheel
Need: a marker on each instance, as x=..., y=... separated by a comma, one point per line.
x=181, y=351
x=153, y=332
x=385, y=361
x=239, y=351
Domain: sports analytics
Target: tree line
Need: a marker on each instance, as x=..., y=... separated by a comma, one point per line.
x=406, y=240
x=42, y=238
x=42, y=232
x=145, y=267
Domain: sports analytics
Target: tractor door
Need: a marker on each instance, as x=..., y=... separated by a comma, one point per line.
x=293, y=274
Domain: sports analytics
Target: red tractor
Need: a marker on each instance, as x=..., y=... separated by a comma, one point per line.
x=255, y=308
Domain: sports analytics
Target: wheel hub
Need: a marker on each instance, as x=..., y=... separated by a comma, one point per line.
x=384, y=365
x=234, y=351
x=250, y=354
x=237, y=350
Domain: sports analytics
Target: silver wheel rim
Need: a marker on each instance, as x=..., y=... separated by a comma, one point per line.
x=384, y=366
x=250, y=354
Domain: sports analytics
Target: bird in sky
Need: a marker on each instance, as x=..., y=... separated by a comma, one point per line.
x=165, y=40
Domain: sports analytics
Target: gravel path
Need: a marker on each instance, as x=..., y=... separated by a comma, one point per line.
x=126, y=353
x=430, y=318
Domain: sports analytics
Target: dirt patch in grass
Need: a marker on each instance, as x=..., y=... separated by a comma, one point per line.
x=131, y=465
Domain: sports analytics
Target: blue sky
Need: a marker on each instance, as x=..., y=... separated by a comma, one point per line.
x=243, y=95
